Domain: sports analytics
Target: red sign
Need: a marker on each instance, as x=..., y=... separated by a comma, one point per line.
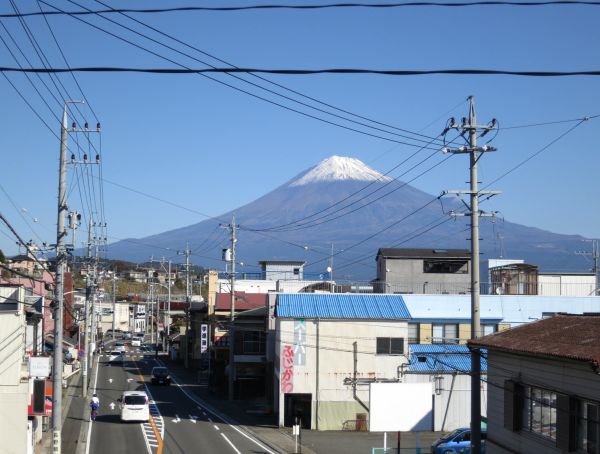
x=287, y=369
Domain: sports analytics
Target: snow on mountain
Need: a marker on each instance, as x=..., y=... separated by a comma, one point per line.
x=338, y=168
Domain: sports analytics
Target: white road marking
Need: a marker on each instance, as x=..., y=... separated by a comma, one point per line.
x=230, y=443
x=193, y=418
x=222, y=417
x=89, y=434
x=129, y=379
x=177, y=419
x=112, y=405
x=216, y=427
x=110, y=380
x=210, y=420
x=148, y=444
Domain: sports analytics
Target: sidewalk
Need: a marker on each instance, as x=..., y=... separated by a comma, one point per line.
x=265, y=429
x=72, y=411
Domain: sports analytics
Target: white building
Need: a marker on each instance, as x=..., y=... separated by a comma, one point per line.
x=14, y=376
x=329, y=348
x=567, y=284
x=448, y=369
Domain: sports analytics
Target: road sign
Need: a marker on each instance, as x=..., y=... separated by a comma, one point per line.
x=39, y=366
x=203, y=338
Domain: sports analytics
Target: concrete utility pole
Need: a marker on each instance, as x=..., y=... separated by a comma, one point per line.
x=231, y=376
x=114, y=298
x=594, y=254
x=86, y=323
x=169, y=302
x=57, y=372
x=167, y=307
x=188, y=299
x=470, y=126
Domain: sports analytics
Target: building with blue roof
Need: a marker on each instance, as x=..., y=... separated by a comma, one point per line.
x=329, y=348
x=448, y=368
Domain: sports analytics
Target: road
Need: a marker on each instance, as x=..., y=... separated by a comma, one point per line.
x=179, y=424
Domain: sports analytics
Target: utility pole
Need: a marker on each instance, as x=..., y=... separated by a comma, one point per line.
x=86, y=323
x=60, y=270
x=167, y=307
x=231, y=377
x=188, y=299
x=594, y=254
x=471, y=127
x=114, y=298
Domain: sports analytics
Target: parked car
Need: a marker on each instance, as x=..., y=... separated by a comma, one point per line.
x=160, y=375
x=126, y=334
x=136, y=342
x=457, y=441
x=134, y=406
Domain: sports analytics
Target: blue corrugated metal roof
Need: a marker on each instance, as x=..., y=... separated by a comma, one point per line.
x=341, y=305
x=442, y=358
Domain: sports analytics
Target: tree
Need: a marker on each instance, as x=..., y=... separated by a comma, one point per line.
x=2, y=257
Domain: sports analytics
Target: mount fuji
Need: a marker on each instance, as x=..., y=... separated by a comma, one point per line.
x=345, y=203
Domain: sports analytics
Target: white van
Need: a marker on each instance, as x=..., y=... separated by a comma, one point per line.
x=134, y=406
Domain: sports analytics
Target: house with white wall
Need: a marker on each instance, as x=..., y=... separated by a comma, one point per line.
x=329, y=349
x=14, y=377
x=448, y=369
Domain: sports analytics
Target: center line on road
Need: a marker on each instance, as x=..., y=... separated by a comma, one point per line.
x=230, y=443
x=216, y=427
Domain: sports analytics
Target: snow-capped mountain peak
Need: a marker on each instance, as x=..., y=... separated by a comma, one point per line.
x=337, y=168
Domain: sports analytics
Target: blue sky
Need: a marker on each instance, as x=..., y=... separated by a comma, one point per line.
x=204, y=146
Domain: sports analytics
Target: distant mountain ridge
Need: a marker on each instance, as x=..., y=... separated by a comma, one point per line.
x=345, y=202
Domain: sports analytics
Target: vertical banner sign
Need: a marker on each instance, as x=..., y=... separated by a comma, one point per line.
x=203, y=338
x=299, y=342
x=287, y=369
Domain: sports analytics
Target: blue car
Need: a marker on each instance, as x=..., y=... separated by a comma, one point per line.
x=457, y=441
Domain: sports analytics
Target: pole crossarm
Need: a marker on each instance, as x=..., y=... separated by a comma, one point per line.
x=469, y=126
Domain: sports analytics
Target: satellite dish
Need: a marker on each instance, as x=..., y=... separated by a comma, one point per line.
x=499, y=291
x=329, y=269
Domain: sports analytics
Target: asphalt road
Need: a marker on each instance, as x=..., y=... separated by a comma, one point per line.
x=179, y=424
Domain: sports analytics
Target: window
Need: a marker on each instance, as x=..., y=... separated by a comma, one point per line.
x=390, y=345
x=135, y=400
x=253, y=343
x=296, y=271
x=488, y=329
x=413, y=333
x=588, y=427
x=539, y=412
x=444, y=333
x=446, y=266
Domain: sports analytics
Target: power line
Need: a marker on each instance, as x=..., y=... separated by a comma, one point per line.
x=400, y=186
x=263, y=78
x=548, y=123
x=311, y=7
x=386, y=72
x=295, y=222
x=530, y=157
x=201, y=73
